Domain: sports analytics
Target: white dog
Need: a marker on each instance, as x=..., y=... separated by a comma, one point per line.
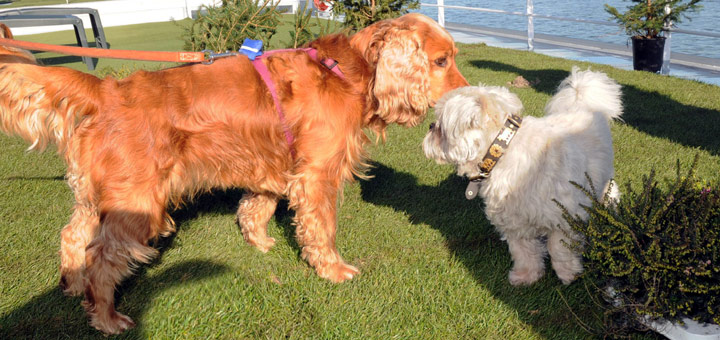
x=519, y=165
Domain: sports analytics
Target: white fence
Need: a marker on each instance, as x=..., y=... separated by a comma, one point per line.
x=529, y=13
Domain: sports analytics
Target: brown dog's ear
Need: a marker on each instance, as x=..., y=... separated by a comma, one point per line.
x=401, y=83
x=370, y=38
x=5, y=31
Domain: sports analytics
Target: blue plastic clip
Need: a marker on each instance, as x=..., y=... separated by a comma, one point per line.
x=251, y=48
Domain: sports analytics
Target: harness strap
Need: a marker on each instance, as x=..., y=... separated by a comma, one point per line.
x=330, y=63
x=262, y=69
x=265, y=75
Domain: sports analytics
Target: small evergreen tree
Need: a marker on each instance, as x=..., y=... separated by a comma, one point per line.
x=362, y=13
x=303, y=32
x=224, y=28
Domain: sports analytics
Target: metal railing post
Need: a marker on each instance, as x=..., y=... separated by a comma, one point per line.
x=530, y=27
x=441, y=12
x=666, y=51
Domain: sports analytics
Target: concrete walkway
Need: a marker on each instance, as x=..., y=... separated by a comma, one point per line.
x=686, y=66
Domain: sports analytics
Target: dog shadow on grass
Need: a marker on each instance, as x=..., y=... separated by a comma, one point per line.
x=53, y=315
x=471, y=238
x=542, y=80
x=647, y=111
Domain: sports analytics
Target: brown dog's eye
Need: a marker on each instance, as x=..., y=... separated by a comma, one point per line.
x=442, y=62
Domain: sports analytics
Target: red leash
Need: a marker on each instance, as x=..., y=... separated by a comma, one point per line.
x=177, y=57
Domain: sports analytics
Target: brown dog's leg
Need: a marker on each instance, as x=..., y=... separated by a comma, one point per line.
x=253, y=214
x=122, y=240
x=74, y=239
x=76, y=236
x=315, y=204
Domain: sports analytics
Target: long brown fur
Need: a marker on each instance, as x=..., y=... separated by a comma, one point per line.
x=136, y=146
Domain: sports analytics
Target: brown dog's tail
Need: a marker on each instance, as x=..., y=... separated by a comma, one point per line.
x=5, y=31
x=12, y=54
x=44, y=105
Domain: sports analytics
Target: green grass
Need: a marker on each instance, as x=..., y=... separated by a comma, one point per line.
x=432, y=266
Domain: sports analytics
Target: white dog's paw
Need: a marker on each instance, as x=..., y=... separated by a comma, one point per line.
x=567, y=277
x=525, y=276
x=568, y=271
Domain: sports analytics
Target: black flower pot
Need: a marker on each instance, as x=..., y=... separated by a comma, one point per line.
x=648, y=53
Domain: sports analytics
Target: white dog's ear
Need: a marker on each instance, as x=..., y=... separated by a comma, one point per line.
x=481, y=116
x=494, y=106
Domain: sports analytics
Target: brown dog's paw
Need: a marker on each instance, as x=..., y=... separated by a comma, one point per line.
x=337, y=272
x=261, y=243
x=114, y=323
x=71, y=284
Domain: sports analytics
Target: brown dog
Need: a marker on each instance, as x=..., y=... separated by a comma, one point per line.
x=137, y=145
x=11, y=54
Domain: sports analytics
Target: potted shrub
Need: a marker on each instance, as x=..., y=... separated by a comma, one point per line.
x=645, y=22
x=653, y=256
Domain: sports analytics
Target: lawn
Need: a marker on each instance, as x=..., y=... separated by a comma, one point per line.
x=432, y=266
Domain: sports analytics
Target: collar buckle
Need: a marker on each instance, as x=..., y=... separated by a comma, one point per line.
x=496, y=150
x=479, y=177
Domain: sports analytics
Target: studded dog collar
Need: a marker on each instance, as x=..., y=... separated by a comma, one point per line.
x=496, y=150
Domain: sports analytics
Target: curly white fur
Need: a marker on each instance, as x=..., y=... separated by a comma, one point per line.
x=546, y=154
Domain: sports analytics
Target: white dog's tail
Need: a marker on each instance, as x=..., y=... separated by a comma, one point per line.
x=587, y=91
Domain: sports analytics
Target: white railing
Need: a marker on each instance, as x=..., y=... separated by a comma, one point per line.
x=529, y=13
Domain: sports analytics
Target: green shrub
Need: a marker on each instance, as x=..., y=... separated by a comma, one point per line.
x=225, y=27
x=362, y=13
x=303, y=31
x=656, y=250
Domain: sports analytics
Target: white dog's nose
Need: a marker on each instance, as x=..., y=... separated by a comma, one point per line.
x=432, y=126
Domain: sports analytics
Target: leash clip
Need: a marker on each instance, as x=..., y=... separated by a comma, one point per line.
x=210, y=56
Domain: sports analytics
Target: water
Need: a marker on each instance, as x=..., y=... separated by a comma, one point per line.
x=703, y=20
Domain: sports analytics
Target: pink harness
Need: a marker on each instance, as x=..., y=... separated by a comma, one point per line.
x=265, y=75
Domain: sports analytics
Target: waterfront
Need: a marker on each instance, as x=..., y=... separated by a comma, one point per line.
x=703, y=20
